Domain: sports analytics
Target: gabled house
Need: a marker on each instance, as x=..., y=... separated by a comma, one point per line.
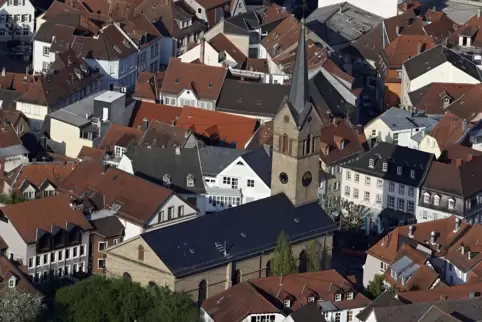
x=424, y=241
x=18, y=20
x=49, y=236
x=467, y=39
x=153, y=207
x=272, y=297
x=107, y=231
x=37, y=180
x=164, y=135
x=12, y=151
x=14, y=279
x=210, y=11
x=148, y=86
x=116, y=140
x=194, y=85
x=434, y=64
x=16, y=118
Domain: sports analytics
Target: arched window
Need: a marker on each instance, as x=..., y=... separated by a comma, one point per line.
x=202, y=291
x=309, y=144
x=236, y=277
x=285, y=143
x=127, y=276
x=268, y=268
x=303, y=265
x=140, y=253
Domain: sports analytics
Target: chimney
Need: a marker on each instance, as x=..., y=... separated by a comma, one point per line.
x=432, y=237
x=146, y=123
x=410, y=231
x=397, y=30
x=478, y=14
x=434, y=8
x=457, y=224
x=419, y=47
x=3, y=71
x=178, y=150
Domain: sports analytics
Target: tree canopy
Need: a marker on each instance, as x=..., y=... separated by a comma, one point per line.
x=313, y=256
x=12, y=198
x=375, y=287
x=283, y=261
x=19, y=305
x=116, y=299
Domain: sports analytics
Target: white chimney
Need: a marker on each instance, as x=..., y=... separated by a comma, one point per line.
x=457, y=224
x=178, y=150
x=410, y=231
x=432, y=237
x=3, y=71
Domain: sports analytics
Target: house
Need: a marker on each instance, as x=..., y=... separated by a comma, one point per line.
x=246, y=179
x=268, y=297
x=434, y=64
x=154, y=206
x=84, y=123
x=456, y=154
x=17, y=119
x=398, y=126
x=148, y=86
x=116, y=140
x=215, y=159
x=37, y=179
x=387, y=176
x=17, y=20
x=382, y=9
x=12, y=151
x=250, y=99
x=48, y=236
x=467, y=107
x=450, y=190
x=107, y=231
x=433, y=238
x=14, y=279
x=248, y=230
x=339, y=24
x=168, y=136
x=69, y=79
x=194, y=85
x=339, y=144
x=177, y=169
x=210, y=11
x=389, y=65
x=434, y=98
x=467, y=39
x=409, y=5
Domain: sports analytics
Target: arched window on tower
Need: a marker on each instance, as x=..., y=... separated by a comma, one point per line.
x=140, y=253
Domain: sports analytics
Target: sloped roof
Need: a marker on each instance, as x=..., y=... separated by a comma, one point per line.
x=37, y=173
x=329, y=134
x=115, y=133
x=214, y=159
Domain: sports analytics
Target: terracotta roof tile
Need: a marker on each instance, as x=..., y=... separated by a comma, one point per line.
x=209, y=4
x=205, y=81
x=263, y=135
x=330, y=66
x=42, y=213
x=9, y=269
x=163, y=135
x=407, y=23
x=471, y=254
x=148, y=84
x=404, y=47
x=151, y=111
x=430, y=98
x=339, y=151
x=456, y=154
x=449, y=130
x=273, y=13
x=474, y=23
x=258, y=65
x=409, y=5
x=16, y=81
x=8, y=136
x=468, y=105
x=117, y=132
x=461, y=291
x=92, y=153
x=87, y=174
x=222, y=44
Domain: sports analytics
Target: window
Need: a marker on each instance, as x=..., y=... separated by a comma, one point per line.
x=412, y=174
x=436, y=200
x=52, y=257
x=426, y=197
x=25, y=18
x=45, y=276
x=347, y=190
x=357, y=178
x=395, y=138
x=37, y=260
x=349, y=296
x=250, y=183
x=391, y=187
x=75, y=252
x=75, y=268
x=82, y=250
x=226, y=180
x=391, y=202
x=140, y=253
x=348, y=175
x=367, y=180
x=102, y=246
x=379, y=198
x=401, y=204
x=385, y=167
x=11, y=282
x=180, y=211
x=410, y=192
x=349, y=316
x=379, y=183
x=111, y=70
x=311, y=299
x=371, y=163
x=46, y=259
x=424, y=214
x=81, y=267
x=30, y=262
x=67, y=253
x=170, y=213
x=399, y=74
x=337, y=297
x=355, y=193
x=287, y=303
x=337, y=316
x=101, y=263
x=399, y=171
x=119, y=151
x=190, y=181
x=401, y=189
x=451, y=204
x=410, y=206
x=60, y=271
x=374, y=132
x=234, y=183
x=367, y=196
x=46, y=51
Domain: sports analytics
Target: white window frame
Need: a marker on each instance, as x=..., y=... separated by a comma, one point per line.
x=98, y=263
x=80, y=250
x=347, y=190
x=349, y=296
x=101, y=243
x=287, y=303
x=379, y=183
x=357, y=178
x=399, y=170
x=115, y=241
x=401, y=201
x=436, y=200
x=368, y=180
x=391, y=187
x=378, y=198
x=338, y=297
x=426, y=197
x=389, y=204
x=410, y=206
x=10, y=284
x=451, y=204
x=355, y=193
x=411, y=191
x=401, y=189
x=348, y=175
x=385, y=167
x=250, y=183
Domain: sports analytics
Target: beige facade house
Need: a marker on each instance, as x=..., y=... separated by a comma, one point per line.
x=208, y=254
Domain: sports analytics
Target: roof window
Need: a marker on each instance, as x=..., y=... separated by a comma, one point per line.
x=178, y=80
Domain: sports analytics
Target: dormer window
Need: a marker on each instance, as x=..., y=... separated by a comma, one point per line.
x=178, y=80
x=190, y=180
x=311, y=299
x=349, y=296
x=287, y=303
x=385, y=167
x=399, y=171
x=412, y=174
x=119, y=151
x=12, y=282
x=371, y=163
x=436, y=200
x=426, y=197
x=166, y=179
x=338, y=297
x=446, y=101
x=451, y=204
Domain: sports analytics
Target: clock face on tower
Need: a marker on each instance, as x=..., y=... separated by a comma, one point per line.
x=283, y=178
x=306, y=179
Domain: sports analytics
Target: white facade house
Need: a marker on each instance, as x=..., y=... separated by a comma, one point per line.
x=17, y=17
x=385, y=9
x=211, y=56
x=42, y=58
x=398, y=126
x=426, y=68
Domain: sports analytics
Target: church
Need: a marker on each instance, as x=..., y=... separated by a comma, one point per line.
x=207, y=255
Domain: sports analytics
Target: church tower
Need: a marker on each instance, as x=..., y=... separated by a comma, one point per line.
x=296, y=143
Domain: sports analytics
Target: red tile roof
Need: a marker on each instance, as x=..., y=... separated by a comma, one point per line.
x=432, y=100
x=42, y=213
x=461, y=291
x=336, y=152
x=9, y=269
x=117, y=133
x=404, y=47
x=8, y=136
x=273, y=13
x=468, y=105
x=473, y=26
x=456, y=154
x=222, y=44
x=92, y=153
x=467, y=251
x=203, y=80
x=449, y=130
x=87, y=174
x=151, y=111
x=148, y=85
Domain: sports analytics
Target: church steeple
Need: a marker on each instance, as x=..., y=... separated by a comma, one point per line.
x=299, y=97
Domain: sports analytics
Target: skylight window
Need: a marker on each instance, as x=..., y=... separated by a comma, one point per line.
x=117, y=49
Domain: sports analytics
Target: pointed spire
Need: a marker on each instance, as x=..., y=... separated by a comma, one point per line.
x=299, y=97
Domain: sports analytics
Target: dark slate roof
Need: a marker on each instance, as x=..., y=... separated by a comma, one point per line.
x=194, y=245
x=417, y=95
x=251, y=98
x=153, y=163
x=436, y=56
x=214, y=159
x=395, y=156
x=7, y=97
x=308, y=313
x=385, y=299
x=108, y=226
x=242, y=23
x=260, y=161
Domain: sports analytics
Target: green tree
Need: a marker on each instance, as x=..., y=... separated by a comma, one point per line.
x=16, y=305
x=376, y=286
x=283, y=261
x=12, y=198
x=351, y=215
x=116, y=299
x=313, y=256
